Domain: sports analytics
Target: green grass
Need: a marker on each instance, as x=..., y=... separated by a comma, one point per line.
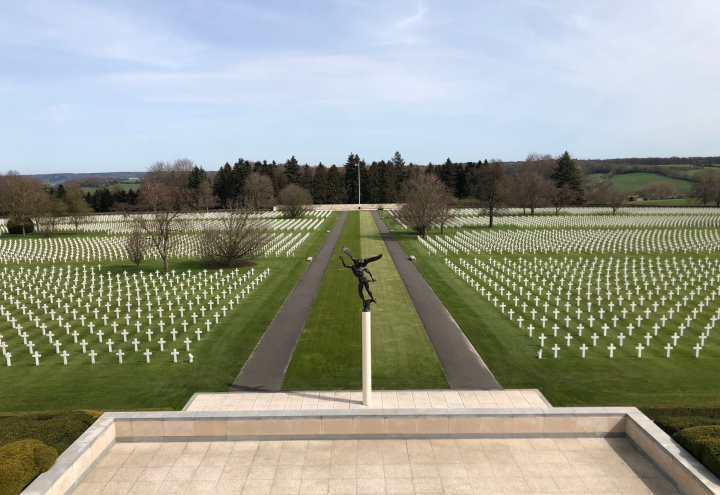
x=664, y=202
x=108, y=385
x=633, y=182
x=328, y=355
x=124, y=184
x=570, y=380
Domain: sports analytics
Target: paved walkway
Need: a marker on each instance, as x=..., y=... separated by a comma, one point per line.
x=265, y=369
x=463, y=366
x=358, y=467
x=382, y=399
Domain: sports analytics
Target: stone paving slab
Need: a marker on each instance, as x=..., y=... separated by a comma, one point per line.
x=405, y=399
x=325, y=467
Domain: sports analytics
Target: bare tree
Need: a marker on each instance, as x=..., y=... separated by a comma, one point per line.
x=294, y=200
x=706, y=188
x=562, y=196
x=47, y=213
x=18, y=196
x=165, y=195
x=658, y=189
x=238, y=238
x=259, y=193
x=491, y=187
x=204, y=197
x=530, y=190
x=136, y=246
x=541, y=164
x=446, y=209
x=422, y=194
x=77, y=207
x=617, y=199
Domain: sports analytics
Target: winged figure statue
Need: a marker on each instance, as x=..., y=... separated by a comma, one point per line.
x=359, y=268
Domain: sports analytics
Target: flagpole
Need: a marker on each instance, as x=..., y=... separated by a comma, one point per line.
x=358, y=166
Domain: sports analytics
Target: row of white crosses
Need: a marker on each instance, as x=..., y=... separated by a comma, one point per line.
x=91, y=249
x=50, y=311
x=600, y=241
x=191, y=222
x=619, y=301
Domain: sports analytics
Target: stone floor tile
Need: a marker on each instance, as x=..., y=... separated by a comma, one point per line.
x=261, y=472
x=130, y=474
x=288, y=473
x=314, y=486
x=570, y=484
x=257, y=487
x=169, y=487
x=89, y=488
x=154, y=473
x=145, y=488
x=208, y=473
x=512, y=484
x=189, y=460
x=200, y=487
x=214, y=460
x=229, y=487
x=397, y=471
x=101, y=475
x=342, y=486
x=317, y=472
x=399, y=485
x=180, y=473
x=117, y=488
x=428, y=485
x=138, y=460
x=365, y=471
x=343, y=471
x=285, y=487
x=370, y=485
x=541, y=485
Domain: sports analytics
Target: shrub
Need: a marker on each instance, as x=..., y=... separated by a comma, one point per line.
x=674, y=424
x=15, y=226
x=654, y=412
x=703, y=442
x=21, y=462
x=56, y=429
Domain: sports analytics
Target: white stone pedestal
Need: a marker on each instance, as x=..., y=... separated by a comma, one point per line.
x=366, y=360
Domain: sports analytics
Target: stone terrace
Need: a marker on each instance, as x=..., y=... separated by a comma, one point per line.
x=410, y=399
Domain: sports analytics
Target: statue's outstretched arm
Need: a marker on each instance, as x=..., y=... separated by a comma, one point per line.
x=371, y=275
x=343, y=262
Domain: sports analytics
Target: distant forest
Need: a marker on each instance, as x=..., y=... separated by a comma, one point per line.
x=381, y=181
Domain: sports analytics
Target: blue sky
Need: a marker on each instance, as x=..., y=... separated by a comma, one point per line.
x=115, y=86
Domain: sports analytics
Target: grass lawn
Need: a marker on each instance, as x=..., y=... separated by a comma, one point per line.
x=328, y=355
x=664, y=202
x=108, y=385
x=597, y=380
x=633, y=182
x=124, y=184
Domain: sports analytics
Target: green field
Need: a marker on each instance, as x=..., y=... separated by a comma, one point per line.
x=328, y=355
x=595, y=380
x=125, y=184
x=108, y=385
x=634, y=181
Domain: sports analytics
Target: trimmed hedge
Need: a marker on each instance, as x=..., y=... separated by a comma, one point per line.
x=21, y=462
x=15, y=226
x=703, y=442
x=672, y=425
x=655, y=412
x=56, y=429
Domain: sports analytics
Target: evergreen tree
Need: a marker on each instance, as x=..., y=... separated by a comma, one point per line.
x=292, y=171
x=372, y=188
x=60, y=193
x=240, y=172
x=197, y=176
x=567, y=173
x=351, y=179
x=335, y=187
x=388, y=188
x=223, y=184
x=319, y=189
x=448, y=174
x=265, y=168
x=400, y=171
x=430, y=169
x=306, y=176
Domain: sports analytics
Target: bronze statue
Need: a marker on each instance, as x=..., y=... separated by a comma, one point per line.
x=359, y=268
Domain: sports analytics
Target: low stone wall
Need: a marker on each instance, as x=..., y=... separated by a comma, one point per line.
x=351, y=207
x=680, y=468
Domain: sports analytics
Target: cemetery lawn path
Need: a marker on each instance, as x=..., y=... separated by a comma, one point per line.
x=161, y=384
x=328, y=355
x=597, y=380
